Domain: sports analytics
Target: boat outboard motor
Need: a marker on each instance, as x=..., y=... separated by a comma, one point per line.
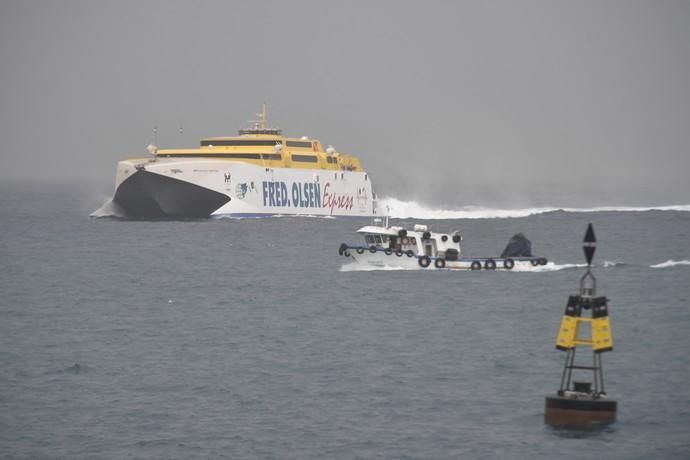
x=518, y=246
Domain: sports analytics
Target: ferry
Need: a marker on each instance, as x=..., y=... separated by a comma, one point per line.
x=258, y=173
x=421, y=248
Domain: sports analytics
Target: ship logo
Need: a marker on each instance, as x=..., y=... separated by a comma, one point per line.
x=241, y=190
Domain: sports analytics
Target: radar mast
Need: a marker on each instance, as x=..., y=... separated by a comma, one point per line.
x=260, y=125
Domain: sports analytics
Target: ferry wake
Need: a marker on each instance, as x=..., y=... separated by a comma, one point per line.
x=258, y=173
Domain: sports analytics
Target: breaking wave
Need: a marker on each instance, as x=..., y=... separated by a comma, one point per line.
x=411, y=209
x=671, y=263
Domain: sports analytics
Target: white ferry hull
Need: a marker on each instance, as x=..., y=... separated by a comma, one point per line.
x=194, y=188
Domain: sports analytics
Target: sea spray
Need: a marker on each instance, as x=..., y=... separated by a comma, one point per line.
x=411, y=209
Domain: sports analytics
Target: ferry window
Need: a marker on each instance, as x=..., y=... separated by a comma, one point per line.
x=231, y=142
x=413, y=240
x=306, y=145
x=331, y=160
x=307, y=158
x=384, y=238
x=370, y=239
x=378, y=239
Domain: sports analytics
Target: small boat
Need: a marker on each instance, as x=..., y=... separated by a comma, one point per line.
x=422, y=248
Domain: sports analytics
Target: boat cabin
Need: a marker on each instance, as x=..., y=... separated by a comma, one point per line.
x=420, y=241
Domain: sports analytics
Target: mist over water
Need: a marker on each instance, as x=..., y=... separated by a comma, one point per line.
x=455, y=104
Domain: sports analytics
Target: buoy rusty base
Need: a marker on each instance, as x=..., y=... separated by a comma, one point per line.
x=579, y=410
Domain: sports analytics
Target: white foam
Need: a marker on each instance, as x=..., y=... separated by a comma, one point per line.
x=269, y=216
x=108, y=209
x=671, y=263
x=549, y=267
x=612, y=263
x=356, y=267
x=411, y=209
x=519, y=268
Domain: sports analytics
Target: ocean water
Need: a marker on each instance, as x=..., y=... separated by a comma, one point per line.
x=228, y=338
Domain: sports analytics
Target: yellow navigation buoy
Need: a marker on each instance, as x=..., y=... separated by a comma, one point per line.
x=576, y=404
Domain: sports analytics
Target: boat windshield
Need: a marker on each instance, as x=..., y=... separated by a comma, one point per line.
x=376, y=239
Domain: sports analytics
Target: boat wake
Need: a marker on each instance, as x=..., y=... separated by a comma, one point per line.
x=411, y=209
x=109, y=209
x=269, y=216
x=549, y=267
x=355, y=267
x=671, y=263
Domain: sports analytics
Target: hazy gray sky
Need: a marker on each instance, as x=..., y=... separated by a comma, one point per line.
x=447, y=102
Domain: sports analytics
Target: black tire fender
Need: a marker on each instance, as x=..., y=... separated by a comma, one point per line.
x=476, y=265
x=360, y=250
x=388, y=251
x=440, y=263
x=542, y=261
x=490, y=264
x=372, y=249
x=424, y=261
x=409, y=253
x=398, y=253
x=508, y=264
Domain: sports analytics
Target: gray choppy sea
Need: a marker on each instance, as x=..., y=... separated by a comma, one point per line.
x=231, y=338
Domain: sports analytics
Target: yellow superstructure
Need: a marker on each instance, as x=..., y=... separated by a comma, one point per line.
x=267, y=147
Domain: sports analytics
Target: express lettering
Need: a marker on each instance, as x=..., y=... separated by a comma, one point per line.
x=333, y=200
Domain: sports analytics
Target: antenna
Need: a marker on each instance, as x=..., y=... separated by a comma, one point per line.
x=155, y=134
x=261, y=122
x=260, y=125
x=180, y=130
